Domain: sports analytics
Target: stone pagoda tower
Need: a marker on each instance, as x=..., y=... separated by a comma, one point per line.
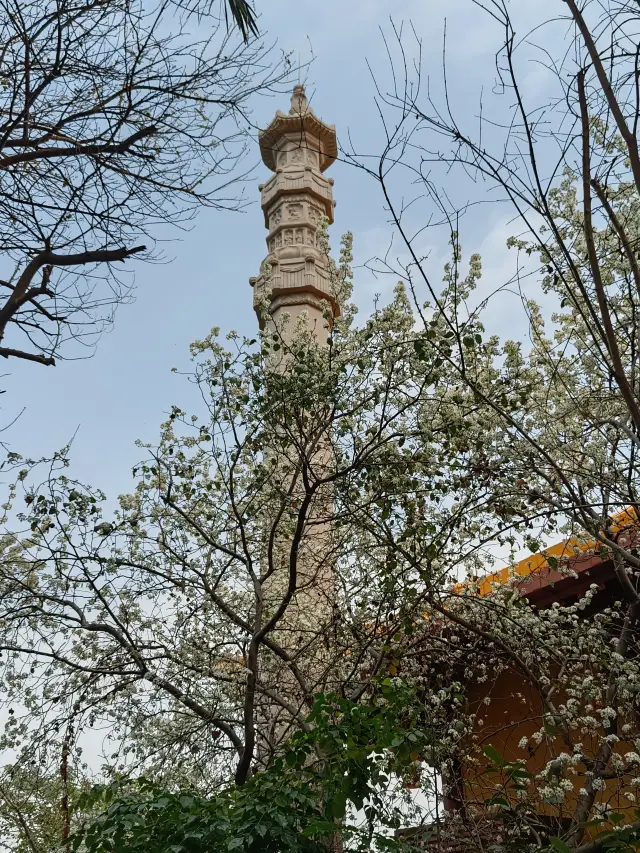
x=299, y=148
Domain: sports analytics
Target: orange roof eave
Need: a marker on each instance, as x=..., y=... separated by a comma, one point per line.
x=536, y=564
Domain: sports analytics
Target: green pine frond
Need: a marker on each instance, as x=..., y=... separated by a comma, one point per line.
x=244, y=17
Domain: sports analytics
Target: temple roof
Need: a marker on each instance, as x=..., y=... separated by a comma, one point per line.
x=565, y=569
x=301, y=119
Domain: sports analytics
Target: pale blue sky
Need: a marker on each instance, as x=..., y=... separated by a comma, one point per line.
x=123, y=392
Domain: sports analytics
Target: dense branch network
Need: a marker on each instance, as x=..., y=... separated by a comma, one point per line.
x=114, y=118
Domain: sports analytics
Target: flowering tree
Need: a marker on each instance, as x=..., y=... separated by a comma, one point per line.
x=261, y=683
x=180, y=623
x=568, y=448
x=573, y=185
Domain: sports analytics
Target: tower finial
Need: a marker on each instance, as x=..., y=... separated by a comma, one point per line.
x=299, y=101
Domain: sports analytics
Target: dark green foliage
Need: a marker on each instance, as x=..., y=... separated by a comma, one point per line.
x=296, y=805
x=244, y=17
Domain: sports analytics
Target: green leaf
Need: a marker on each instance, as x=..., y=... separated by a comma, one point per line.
x=494, y=756
x=559, y=845
x=519, y=773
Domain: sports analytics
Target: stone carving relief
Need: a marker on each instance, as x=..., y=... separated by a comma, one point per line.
x=299, y=235
x=282, y=158
x=288, y=237
x=294, y=211
x=276, y=217
x=297, y=156
x=312, y=158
